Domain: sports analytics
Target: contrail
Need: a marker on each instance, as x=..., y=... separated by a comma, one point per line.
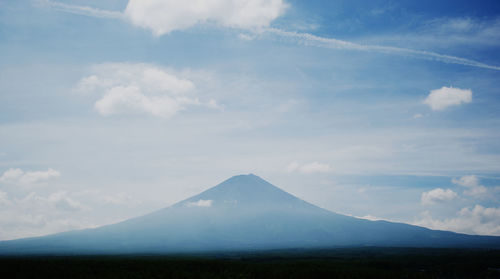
x=301, y=38
x=83, y=10
x=312, y=40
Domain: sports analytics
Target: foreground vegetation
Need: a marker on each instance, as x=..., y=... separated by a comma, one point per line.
x=333, y=263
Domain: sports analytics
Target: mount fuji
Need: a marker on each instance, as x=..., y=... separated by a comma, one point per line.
x=242, y=213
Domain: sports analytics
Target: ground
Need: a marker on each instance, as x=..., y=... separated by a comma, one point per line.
x=328, y=263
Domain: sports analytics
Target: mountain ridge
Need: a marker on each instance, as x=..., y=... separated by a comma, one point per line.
x=244, y=212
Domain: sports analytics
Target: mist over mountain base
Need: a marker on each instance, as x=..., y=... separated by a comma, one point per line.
x=325, y=263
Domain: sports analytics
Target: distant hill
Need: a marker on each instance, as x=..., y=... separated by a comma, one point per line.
x=244, y=212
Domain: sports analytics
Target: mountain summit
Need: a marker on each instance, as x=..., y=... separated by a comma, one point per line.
x=245, y=191
x=244, y=212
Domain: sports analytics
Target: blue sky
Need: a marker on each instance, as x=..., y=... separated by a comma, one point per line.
x=381, y=110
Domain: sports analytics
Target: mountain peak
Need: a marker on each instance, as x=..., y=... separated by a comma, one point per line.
x=244, y=189
x=243, y=176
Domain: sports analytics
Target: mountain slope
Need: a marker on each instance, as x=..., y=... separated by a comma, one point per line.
x=243, y=212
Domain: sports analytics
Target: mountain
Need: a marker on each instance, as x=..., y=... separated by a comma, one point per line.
x=244, y=212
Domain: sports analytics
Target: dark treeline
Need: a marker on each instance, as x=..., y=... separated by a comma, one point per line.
x=335, y=263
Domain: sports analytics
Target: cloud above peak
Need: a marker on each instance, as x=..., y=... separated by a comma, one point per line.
x=165, y=16
x=440, y=99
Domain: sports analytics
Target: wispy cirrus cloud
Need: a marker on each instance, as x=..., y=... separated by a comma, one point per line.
x=163, y=17
x=452, y=31
x=318, y=41
x=444, y=33
x=82, y=10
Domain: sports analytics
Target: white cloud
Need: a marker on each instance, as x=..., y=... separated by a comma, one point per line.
x=471, y=182
x=437, y=195
x=140, y=88
x=370, y=217
x=62, y=201
x=59, y=200
x=164, y=16
x=476, y=220
x=35, y=214
x=118, y=100
x=467, y=181
x=11, y=175
x=18, y=224
x=19, y=177
x=445, y=97
x=200, y=203
x=4, y=199
x=309, y=168
x=417, y=116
